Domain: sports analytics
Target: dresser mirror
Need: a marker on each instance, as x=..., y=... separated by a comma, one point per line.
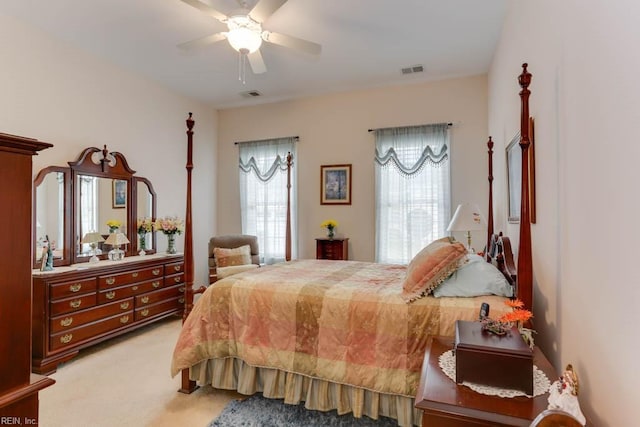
x=71, y=202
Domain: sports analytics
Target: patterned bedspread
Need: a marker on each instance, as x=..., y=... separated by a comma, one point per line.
x=341, y=321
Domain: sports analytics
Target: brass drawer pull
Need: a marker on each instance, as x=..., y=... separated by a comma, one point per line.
x=75, y=303
x=155, y=284
x=76, y=287
x=134, y=274
x=181, y=300
x=156, y=271
x=134, y=288
x=124, y=305
x=181, y=289
x=177, y=267
x=176, y=279
x=144, y=312
x=66, y=339
x=145, y=300
x=124, y=319
x=111, y=280
x=110, y=295
x=67, y=321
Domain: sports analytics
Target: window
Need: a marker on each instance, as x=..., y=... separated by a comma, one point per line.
x=88, y=211
x=413, y=201
x=263, y=195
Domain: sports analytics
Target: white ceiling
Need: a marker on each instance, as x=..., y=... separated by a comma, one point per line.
x=365, y=43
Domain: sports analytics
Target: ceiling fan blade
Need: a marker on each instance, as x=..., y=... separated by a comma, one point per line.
x=264, y=9
x=293, y=42
x=202, y=41
x=206, y=9
x=256, y=62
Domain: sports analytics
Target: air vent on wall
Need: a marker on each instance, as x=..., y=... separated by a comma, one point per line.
x=251, y=94
x=413, y=69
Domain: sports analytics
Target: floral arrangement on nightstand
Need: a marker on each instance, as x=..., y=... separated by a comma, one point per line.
x=330, y=225
x=518, y=317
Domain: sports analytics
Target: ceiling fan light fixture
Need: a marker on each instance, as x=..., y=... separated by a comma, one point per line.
x=244, y=34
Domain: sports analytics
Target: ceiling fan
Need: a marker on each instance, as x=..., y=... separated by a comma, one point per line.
x=246, y=34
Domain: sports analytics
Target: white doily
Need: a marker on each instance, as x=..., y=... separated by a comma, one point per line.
x=541, y=383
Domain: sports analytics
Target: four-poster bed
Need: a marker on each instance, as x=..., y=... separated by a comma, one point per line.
x=346, y=340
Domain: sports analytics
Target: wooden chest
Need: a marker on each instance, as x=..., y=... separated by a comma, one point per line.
x=485, y=358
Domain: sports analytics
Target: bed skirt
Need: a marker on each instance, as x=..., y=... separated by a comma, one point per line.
x=321, y=395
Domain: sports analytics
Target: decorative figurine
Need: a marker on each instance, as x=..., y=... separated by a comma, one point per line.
x=47, y=256
x=563, y=394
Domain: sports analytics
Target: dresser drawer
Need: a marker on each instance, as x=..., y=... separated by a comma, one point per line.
x=76, y=336
x=158, y=296
x=79, y=318
x=157, y=309
x=76, y=287
x=69, y=305
x=115, y=280
x=176, y=267
x=174, y=279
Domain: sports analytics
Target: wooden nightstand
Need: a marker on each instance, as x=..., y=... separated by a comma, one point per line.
x=335, y=249
x=446, y=404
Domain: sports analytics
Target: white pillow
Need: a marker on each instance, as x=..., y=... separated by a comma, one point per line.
x=474, y=278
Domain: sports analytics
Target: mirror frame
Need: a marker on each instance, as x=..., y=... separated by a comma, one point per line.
x=110, y=165
x=66, y=214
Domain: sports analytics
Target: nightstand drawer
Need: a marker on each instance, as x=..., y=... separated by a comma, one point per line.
x=333, y=249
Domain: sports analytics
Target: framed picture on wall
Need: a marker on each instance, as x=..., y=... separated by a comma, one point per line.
x=335, y=185
x=119, y=193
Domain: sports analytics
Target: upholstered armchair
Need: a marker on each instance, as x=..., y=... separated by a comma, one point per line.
x=231, y=241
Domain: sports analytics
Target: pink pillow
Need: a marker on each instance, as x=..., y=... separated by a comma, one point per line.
x=430, y=267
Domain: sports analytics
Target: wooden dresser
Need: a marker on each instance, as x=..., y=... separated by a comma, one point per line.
x=18, y=386
x=82, y=304
x=335, y=249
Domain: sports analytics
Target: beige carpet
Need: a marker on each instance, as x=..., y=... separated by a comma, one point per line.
x=126, y=382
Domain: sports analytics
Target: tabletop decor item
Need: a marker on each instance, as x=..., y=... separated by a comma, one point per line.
x=563, y=394
x=145, y=226
x=518, y=317
x=170, y=226
x=330, y=225
x=114, y=225
x=116, y=240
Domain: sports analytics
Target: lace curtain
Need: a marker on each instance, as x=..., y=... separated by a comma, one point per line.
x=413, y=196
x=263, y=195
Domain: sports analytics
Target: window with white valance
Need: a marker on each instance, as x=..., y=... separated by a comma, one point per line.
x=413, y=195
x=263, y=195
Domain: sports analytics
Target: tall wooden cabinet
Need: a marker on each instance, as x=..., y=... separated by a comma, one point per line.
x=18, y=387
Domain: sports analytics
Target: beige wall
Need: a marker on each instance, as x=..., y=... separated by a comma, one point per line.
x=582, y=55
x=333, y=130
x=57, y=94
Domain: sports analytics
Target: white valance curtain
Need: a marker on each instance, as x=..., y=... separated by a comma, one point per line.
x=263, y=195
x=413, y=195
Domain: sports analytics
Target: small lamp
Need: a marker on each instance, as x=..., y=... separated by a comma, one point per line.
x=467, y=218
x=92, y=239
x=115, y=240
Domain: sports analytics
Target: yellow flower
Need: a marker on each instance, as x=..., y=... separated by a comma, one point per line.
x=329, y=224
x=114, y=223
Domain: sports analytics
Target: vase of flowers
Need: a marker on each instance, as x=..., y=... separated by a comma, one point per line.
x=330, y=225
x=170, y=226
x=114, y=225
x=145, y=225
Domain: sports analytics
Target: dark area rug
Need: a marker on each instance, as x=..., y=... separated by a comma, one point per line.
x=258, y=411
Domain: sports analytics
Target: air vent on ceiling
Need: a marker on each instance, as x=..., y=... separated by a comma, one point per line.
x=251, y=94
x=413, y=69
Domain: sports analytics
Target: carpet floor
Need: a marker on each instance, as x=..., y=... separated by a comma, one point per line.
x=258, y=411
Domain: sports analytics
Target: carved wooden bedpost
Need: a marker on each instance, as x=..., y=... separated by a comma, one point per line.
x=188, y=386
x=525, y=269
x=487, y=255
x=287, y=254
